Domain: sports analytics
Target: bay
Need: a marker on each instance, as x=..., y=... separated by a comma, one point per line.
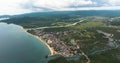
x=18, y=46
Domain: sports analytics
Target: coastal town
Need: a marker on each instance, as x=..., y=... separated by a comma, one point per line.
x=52, y=39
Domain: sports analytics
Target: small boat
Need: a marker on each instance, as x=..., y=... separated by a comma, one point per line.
x=46, y=56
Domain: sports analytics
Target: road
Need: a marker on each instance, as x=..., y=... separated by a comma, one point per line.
x=73, y=24
x=88, y=59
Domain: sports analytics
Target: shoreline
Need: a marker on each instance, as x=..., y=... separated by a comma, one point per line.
x=52, y=51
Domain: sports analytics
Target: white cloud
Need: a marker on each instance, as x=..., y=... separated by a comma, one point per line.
x=114, y=2
x=12, y=7
x=25, y=6
x=57, y=4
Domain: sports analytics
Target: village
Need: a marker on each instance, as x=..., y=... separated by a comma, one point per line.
x=59, y=46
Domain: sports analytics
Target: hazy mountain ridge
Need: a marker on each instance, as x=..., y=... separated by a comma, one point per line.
x=47, y=18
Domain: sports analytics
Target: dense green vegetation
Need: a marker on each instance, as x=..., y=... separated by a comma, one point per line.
x=110, y=56
x=61, y=23
x=89, y=24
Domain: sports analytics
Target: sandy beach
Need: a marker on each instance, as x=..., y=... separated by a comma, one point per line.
x=52, y=51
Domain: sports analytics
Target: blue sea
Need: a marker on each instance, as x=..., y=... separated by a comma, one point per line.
x=18, y=46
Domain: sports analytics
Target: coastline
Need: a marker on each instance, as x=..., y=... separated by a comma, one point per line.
x=52, y=51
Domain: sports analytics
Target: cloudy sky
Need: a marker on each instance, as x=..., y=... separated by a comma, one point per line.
x=12, y=7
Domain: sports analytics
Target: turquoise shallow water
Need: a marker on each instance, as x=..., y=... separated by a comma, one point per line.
x=18, y=46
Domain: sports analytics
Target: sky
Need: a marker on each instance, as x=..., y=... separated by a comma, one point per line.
x=12, y=7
